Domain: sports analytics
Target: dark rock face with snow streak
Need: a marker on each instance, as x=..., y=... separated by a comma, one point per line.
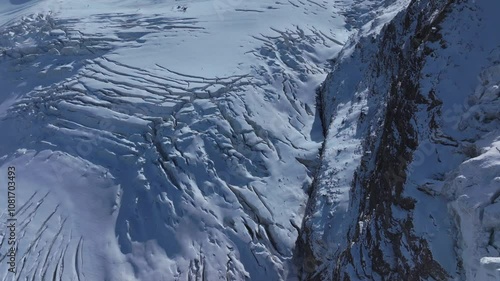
x=378, y=209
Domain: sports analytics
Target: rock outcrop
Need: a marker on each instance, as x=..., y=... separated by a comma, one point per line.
x=403, y=114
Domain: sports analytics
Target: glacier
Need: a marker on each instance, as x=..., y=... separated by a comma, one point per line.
x=162, y=140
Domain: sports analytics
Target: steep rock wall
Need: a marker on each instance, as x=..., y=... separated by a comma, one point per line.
x=392, y=108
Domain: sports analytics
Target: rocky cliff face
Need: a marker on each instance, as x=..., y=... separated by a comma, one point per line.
x=408, y=183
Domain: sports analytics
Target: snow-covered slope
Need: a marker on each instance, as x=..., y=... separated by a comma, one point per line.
x=408, y=183
x=164, y=140
x=179, y=140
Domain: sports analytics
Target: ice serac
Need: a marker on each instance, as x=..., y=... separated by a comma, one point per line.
x=408, y=185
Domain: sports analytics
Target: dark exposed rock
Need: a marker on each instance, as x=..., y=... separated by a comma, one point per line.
x=385, y=247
